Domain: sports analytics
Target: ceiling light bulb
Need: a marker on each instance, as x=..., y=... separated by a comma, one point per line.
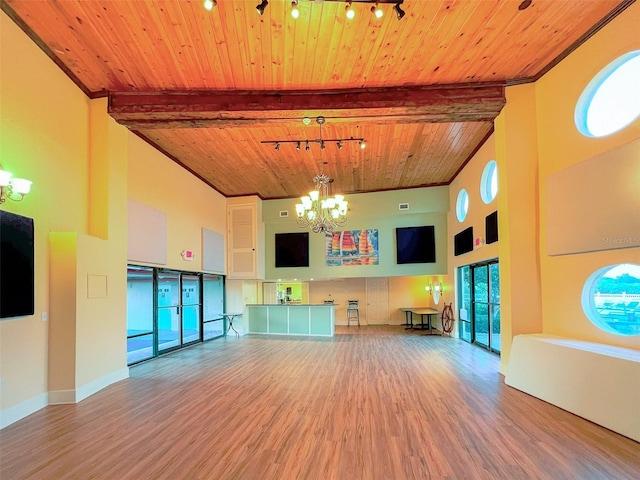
x=209, y=4
x=377, y=11
x=261, y=6
x=295, y=13
x=350, y=11
x=363, y=145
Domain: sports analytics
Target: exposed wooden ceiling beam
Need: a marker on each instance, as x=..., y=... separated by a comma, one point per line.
x=420, y=104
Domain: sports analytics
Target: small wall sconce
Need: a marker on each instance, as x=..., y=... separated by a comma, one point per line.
x=12, y=188
x=435, y=290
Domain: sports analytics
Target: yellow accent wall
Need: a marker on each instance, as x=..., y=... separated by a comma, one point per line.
x=190, y=204
x=44, y=136
x=560, y=145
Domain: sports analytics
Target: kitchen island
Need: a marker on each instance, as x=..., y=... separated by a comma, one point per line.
x=292, y=319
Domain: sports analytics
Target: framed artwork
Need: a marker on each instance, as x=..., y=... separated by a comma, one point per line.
x=352, y=247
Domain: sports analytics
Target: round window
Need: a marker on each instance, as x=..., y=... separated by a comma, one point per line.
x=462, y=205
x=611, y=299
x=489, y=182
x=611, y=100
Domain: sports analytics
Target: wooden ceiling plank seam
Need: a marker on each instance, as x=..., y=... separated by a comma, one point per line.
x=405, y=30
x=447, y=35
x=195, y=22
x=218, y=57
x=516, y=31
x=466, y=26
x=320, y=56
x=333, y=51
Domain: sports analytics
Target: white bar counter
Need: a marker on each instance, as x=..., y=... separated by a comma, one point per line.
x=292, y=319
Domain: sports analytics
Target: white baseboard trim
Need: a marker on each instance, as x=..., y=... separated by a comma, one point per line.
x=61, y=397
x=97, y=385
x=24, y=409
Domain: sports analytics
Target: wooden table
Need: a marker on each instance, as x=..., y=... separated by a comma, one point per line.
x=422, y=311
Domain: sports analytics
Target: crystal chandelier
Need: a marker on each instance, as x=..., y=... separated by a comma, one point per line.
x=319, y=211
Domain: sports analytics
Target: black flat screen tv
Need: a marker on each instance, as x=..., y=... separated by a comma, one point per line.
x=463, y=242
x=415, y=244
x=16, y=265
x=491, y=227
x=292, y=250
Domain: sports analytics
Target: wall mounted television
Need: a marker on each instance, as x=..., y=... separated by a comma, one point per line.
x=463, y=242
x=491, y=227
x=16, y=265
x=415, y=244
x=292, y=250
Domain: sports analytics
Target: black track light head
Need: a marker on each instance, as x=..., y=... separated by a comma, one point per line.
x=399, y=12
x=307, y=147
x=297, y=145
x=261, y=6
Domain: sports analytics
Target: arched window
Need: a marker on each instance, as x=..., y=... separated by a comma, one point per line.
x=462, y=205
x=489, y=182
x=611, y=101
x=611, y=299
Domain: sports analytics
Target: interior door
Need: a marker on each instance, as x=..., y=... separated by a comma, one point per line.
x=377, y=302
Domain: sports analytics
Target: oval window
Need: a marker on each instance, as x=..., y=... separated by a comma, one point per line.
x=462, y=205
x=611, y=100
x=611, y=299
x=489, y=182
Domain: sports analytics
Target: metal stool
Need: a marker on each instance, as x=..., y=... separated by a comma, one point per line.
x=353, y=314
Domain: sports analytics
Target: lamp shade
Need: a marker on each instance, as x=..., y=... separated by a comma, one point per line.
x=21, y=185
x=5, y=178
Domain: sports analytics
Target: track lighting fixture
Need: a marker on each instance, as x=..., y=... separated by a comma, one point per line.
x=209, y=4
x=399, y=12
x=377, y=11
x=261, y=6
x=320, y=141
x=350, y=11
x=295, y=13
x=363, y=145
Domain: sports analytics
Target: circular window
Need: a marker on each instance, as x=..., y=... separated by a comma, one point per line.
x=611, y=299
x=489, y=182
x=462, y=205
x=611, y=100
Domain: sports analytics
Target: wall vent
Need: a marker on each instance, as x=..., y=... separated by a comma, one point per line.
x=403, y=206
x=284, y=213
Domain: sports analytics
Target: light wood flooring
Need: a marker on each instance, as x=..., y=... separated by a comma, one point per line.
x=370, y=403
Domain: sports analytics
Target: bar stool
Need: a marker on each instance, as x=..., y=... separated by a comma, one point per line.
x=353, y=314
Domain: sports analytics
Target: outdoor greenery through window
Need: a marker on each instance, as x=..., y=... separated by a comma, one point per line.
x=611, y=299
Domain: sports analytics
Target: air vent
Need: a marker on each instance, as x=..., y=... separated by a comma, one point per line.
x=284, y=213
x=403, y=206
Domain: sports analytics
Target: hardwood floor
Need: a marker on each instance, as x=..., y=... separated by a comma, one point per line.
x=370, y=403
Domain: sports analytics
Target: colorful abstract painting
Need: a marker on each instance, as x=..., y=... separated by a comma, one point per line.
x=352, y=247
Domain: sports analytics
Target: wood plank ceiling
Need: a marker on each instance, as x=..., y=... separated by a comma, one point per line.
x=207, y=87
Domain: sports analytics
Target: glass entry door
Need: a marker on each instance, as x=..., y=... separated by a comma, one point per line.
x=169, y=306
x=485, y=280
x=141, y=334
x=190, y=308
